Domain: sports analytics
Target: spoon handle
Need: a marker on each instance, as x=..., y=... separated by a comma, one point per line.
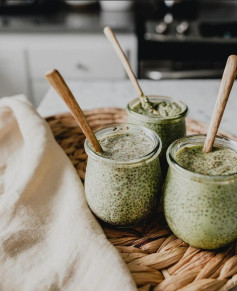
x=60, y=86
x=114, y=42
x=227, y=81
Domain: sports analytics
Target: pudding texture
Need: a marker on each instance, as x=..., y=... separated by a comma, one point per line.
x=218, y=162
x=123, y=185
x=165, y=109
x=169, y=125
x=200, y=207
x=125, y=146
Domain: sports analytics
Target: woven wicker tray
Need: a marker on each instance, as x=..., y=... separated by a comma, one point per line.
x=157, y=259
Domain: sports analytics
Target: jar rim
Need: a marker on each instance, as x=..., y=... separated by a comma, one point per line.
x=156, y=119
x=117, y=128
x=199, y=139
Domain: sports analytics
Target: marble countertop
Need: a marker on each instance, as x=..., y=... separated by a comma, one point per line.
x=199, y=95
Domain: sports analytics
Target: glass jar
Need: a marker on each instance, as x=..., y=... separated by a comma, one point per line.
x=168, y=128
x=200, y=209
x=123, y=193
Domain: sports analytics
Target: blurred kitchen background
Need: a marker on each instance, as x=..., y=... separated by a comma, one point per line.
x=163, y=39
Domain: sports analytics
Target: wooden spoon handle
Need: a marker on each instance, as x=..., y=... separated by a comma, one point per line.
x=114, y=42
x=58, y=83
x=228, y=78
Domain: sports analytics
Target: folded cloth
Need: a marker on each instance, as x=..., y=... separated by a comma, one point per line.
x=49, y=239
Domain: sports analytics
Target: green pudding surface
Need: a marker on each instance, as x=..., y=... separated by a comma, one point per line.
x=126, y=146
x=219, y=162
x=165, y=109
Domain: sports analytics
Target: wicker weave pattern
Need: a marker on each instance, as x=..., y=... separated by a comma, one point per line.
x=157, y=259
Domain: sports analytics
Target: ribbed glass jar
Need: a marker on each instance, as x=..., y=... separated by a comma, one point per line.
x=168, y=128
x=200, y=209
x=123, y=193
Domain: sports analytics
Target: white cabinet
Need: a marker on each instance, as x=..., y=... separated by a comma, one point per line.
x=39, y=89
x=76, y=56
x=13, y=72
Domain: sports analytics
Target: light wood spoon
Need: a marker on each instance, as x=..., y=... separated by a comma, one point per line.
x=227, y=81
x=146, y=104
x=60, y=86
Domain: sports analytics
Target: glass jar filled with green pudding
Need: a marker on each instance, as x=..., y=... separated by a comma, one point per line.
x=200, y=193
x=123, y=184
x=169, y=123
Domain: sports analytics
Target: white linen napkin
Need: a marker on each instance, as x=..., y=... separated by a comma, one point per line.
x=49, y=240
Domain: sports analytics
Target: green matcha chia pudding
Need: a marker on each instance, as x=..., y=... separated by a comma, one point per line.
x=123, y=185
x=200, y=193
x=169, y=124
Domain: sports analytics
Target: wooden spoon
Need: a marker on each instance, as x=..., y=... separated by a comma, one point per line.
x=60, y=86
x=146, y=104
x=227, y=81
